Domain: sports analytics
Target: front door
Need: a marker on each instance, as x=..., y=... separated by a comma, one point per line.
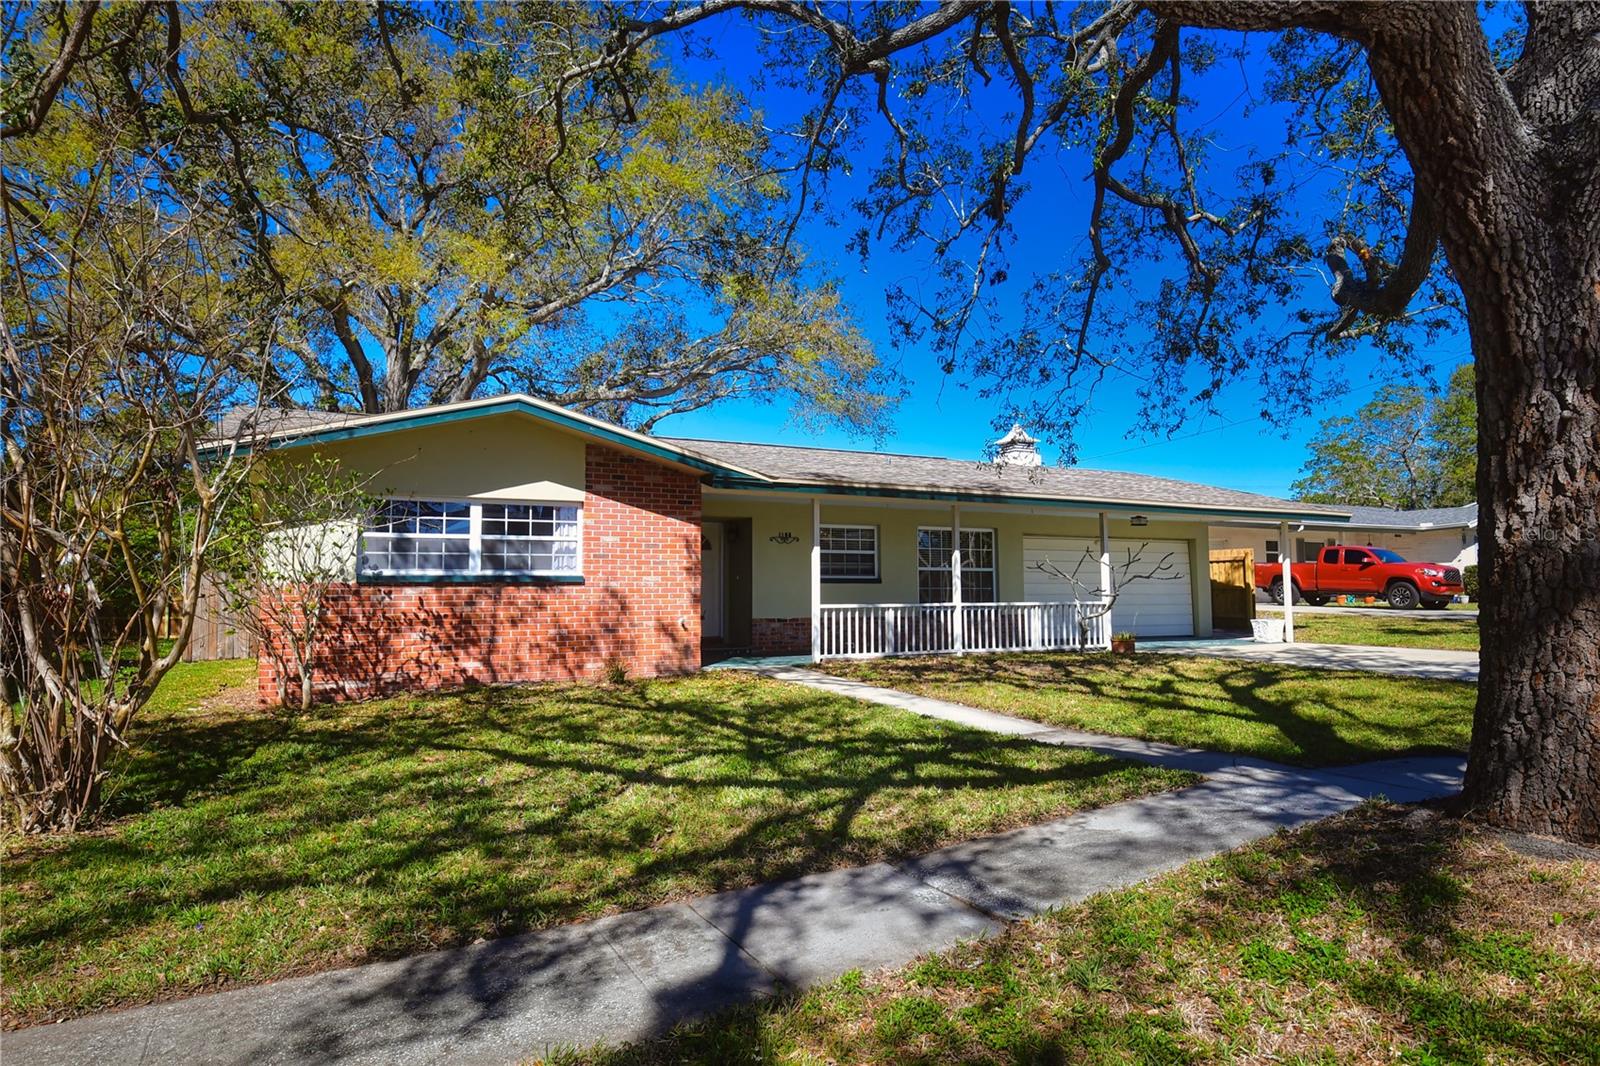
x=713, y=573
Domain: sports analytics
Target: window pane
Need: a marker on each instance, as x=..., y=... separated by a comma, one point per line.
x=977, y=566
x=436, y=536
x=849, y=551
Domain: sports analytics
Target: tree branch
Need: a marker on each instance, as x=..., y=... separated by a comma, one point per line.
x=44, y=94
x=1383, y=291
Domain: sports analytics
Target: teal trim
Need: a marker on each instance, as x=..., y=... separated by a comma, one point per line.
x=420, y=421
x=954, y=496
x=469, y=579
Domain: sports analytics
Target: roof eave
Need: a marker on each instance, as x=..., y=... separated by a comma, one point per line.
x=394, y=422
x=1022, y=499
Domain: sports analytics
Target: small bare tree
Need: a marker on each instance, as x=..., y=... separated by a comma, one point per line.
x=1131, y=568
x=129, y=321
x=284, y=548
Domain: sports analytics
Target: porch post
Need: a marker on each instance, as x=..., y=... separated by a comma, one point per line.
x=1285, y=550
x=959, y=630
x=1105, y=571
x=816, y=579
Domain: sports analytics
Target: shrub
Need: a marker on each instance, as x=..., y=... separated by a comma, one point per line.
x=1469, y=580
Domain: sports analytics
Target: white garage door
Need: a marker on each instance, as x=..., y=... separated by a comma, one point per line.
x=1157, y=605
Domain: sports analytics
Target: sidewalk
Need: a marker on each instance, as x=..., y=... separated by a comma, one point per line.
x=1430, y=663
x=634, y=975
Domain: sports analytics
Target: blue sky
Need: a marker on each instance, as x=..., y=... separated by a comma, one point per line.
x=941, y=417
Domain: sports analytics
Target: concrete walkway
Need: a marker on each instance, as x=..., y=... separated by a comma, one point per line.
x=1430, y=663
x=634, y=975
x=1389, y=612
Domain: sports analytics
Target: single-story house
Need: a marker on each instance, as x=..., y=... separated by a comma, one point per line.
x=1431, y=535
x=523, y=541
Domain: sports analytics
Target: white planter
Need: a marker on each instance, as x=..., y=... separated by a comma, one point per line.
x=1266, y=630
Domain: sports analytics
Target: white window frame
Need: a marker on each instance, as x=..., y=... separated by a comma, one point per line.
x=993, y=569
x=475, y=569
x=877, y=554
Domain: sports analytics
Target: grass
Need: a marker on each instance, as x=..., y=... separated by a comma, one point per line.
x=1381, y=936
x=1398, y=631
x=1289, y=714
x=244, y=846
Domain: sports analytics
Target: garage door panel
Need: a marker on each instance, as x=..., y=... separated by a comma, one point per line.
x=1057, y=569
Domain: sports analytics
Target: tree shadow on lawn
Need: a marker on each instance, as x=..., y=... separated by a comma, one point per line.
x=1383, y=932
x=416, y=823
x=1301, y=716
x=1425, y=919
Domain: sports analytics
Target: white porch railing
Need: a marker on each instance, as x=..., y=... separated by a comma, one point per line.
x=871, y=630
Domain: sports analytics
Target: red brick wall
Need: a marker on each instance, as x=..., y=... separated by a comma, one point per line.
x=781, y=636
x=640, y=602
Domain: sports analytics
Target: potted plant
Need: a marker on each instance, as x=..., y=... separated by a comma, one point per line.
x=1122, y=643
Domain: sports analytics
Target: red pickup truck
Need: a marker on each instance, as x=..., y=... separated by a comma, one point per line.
x=1342, y=570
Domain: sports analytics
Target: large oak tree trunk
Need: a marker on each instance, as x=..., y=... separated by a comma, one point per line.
x=1511, y=164
x=1535, y=757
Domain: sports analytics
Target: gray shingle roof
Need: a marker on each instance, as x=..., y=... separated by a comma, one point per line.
x=1421, y=518
x=246, y=421
x=829, y=466
x=751, y=465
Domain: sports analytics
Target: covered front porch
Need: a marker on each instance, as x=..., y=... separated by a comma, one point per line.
x=956, y=626
x=849, y=578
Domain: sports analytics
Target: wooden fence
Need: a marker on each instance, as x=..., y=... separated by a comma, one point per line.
x=1233, y=587
x=215, y=636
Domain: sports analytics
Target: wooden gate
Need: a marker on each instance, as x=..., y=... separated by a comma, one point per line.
x=1233, y=587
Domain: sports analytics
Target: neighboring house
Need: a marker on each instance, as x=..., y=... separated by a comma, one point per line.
x=523, y=541
x=1432, y=535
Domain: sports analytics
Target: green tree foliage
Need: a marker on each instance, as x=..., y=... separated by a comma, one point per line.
x=1453, y=427
x=1403, y=449
x=446, y=216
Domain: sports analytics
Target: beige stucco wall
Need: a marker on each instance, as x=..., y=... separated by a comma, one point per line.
x=781, y=575
x=1428, y=546
x=499, y=457
x=313, y=552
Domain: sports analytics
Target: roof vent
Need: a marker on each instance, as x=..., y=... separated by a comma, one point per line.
x=1017, y=448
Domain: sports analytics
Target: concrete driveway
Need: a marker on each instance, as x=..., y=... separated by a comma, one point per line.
x=1387, y=612
x=1399, y=662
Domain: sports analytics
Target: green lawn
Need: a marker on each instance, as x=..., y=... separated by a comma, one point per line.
x=1381, y=936
x=1399, y=631
x=244, y=846
x=1312, y=717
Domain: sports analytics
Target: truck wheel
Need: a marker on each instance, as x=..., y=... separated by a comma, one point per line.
x=1317, y=601
x=1402, y=595
x=1275, y=590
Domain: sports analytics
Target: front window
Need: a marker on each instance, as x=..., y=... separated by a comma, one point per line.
x=849, y=553
x=438, y=538
x=977, y=566
x=1386, y=556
